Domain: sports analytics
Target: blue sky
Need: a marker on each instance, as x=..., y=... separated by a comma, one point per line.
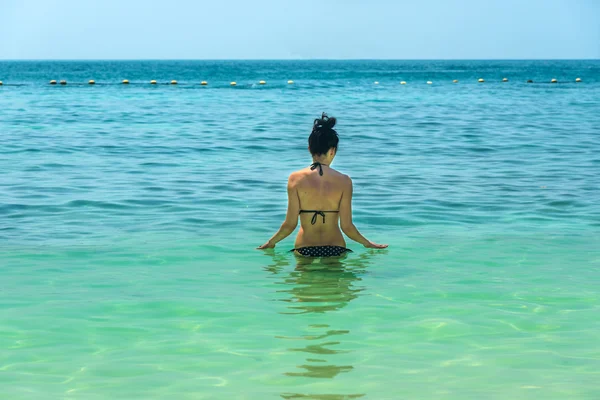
x=283, y=29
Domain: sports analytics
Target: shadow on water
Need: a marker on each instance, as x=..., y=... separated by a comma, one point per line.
x=318, y=288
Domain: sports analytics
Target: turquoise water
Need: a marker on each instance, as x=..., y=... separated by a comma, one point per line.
x=129, y=217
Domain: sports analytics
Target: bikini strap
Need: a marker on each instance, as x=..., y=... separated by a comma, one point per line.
x=314, y=218
x=316, y=213
x=316, y=165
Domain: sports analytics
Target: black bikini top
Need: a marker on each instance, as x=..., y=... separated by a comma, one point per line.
x=313, y=221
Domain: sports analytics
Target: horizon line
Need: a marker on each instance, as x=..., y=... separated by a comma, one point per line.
x=300, y=59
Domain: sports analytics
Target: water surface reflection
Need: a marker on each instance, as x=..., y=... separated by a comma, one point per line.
x=318, y=288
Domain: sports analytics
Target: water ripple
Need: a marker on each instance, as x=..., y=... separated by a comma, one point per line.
x=467, y=154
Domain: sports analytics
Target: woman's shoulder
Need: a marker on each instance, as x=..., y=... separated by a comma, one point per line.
x=340, y=175
x=346, y=179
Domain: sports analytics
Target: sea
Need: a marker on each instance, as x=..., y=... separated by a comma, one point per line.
x=130, y=214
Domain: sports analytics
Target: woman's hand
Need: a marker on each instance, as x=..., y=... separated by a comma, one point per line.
x=267, y=245
x=372, y=245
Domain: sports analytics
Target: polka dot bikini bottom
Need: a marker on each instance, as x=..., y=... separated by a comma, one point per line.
x=322, y=251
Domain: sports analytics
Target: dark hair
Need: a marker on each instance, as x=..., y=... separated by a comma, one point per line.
x=323, y=136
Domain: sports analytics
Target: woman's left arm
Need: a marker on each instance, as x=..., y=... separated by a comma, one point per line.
x=291, y=218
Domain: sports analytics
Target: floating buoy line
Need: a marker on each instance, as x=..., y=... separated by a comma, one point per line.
x=63, y=82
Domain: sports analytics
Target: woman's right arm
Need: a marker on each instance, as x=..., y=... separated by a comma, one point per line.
x=346, y=223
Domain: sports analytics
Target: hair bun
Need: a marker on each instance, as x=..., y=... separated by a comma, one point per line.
x=325, y=122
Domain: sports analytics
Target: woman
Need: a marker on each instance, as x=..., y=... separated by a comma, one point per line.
x=321, y=196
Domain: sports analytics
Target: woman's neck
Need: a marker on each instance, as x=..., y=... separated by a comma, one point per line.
x=321, y=161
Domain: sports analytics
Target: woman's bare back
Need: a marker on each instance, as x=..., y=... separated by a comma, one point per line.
x=319, y=198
